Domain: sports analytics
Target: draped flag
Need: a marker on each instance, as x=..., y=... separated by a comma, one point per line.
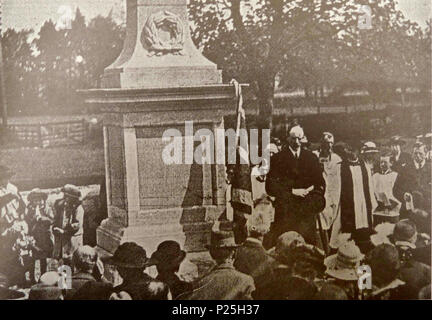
x=241, y=190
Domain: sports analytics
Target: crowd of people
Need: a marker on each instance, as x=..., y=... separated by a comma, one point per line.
x=321, y=216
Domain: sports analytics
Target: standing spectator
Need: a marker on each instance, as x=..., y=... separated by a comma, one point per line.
x=384, y=263
x=357, y=200
x=223, y=282
x=12, y=226
x=414, y=180
x=167, y=259
x=131, y=260
x=384, y=180
x=40, y=218
x=330, y=163
x=296, y=181
x=400, y=159
x=369, y=154
x=68, y=224
x=251, y=257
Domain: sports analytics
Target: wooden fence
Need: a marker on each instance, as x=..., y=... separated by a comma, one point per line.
x=49, y=134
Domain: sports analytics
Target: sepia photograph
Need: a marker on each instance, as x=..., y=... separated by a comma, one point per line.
x=228, y=151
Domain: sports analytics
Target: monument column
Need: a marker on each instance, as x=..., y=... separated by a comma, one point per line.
x=160, y=82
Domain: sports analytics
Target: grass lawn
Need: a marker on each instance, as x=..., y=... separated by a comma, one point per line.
x=52, y=166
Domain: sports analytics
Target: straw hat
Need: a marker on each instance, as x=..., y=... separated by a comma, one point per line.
x=369, y=147
x=343, y=265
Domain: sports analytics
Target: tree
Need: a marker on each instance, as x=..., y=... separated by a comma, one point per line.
x=20, y=83
x=73, y=59
x=257, y=40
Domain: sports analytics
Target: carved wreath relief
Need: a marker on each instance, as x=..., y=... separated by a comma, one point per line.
x=163, y=33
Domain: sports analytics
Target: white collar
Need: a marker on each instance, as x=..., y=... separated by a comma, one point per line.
x=387, y=172
x=420, y=165
x=295, y=153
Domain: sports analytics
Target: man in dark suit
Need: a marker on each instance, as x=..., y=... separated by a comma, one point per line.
x=400, y=159
x=296, y=181
x=415, y=179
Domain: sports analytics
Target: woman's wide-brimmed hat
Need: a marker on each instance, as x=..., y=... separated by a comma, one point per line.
x=5, y=172
x=167, y=253
x=129, y=255
x=369, y=147
x=222, y=236
x=343, y=265
x=72, y=191
x=37, y=194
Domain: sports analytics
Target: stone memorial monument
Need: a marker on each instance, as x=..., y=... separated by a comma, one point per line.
x=159, y=81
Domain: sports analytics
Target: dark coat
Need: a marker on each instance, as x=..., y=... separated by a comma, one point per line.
x=403, y=160
x=223, y=283
x=176, y=285
x=413, y=180
x=416, y=275
x=78, y=280
x=252, y=259
x=287, y=173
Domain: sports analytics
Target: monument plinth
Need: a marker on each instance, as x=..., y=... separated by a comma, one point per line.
x=159, y=81
x=158, y=49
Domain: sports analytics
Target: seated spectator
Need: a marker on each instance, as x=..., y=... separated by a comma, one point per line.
x=330, y=291
x=298, y=264
x=94, y=290
x=152, y=290
x=282, y=252
x=342, y=268
x=251, y=257
x=425, y=293
x=415, y=274
x=131, y=260
x=167, y=259
x=48, y=287
x=84, y=261
x=223, y=282
x=384, y=263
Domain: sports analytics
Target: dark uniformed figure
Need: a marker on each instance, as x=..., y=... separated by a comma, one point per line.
x=296, y=181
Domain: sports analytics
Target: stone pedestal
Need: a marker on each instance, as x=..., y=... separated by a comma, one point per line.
x=148, y=200
x=159, y=81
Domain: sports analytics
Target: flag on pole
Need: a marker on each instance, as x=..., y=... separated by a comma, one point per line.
x=241, y=190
